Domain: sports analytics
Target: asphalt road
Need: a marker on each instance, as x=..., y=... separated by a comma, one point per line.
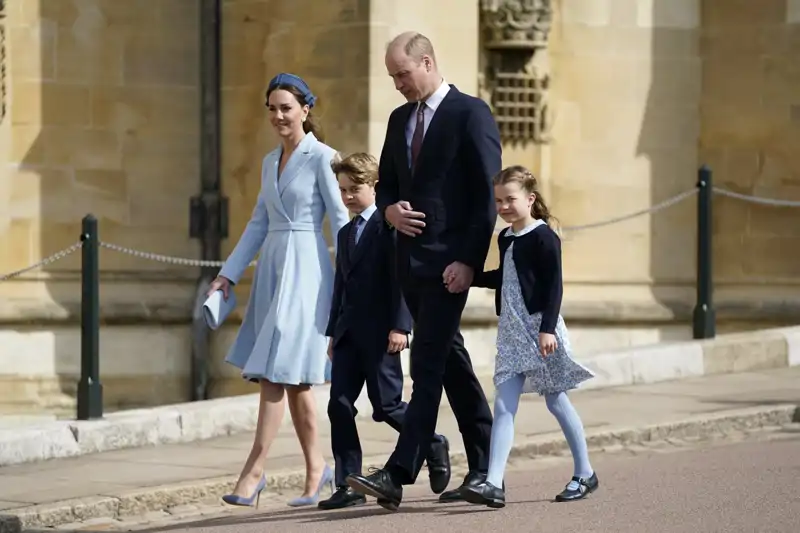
x=747, y=486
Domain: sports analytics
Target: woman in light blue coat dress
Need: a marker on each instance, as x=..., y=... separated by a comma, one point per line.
x=281, y=343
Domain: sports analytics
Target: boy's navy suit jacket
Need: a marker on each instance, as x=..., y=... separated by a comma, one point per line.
x=367, y=299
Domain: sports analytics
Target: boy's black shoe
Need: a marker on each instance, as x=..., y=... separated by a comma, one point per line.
x=343, y=497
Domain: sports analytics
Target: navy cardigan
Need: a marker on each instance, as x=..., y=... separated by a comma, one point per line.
x=537, y=256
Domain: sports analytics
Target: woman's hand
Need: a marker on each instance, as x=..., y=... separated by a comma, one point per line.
x=547, y=343
x=220, y=284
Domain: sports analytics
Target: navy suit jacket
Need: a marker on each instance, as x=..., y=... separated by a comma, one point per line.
x=452, y=184
x=367, y=300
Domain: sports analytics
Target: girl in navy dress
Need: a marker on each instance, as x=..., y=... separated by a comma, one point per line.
x=533, y=349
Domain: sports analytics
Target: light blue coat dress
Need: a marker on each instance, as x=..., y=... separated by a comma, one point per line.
x=282, y=337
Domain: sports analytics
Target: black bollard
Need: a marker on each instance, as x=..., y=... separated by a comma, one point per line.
x=704, y=318
x=90, y=391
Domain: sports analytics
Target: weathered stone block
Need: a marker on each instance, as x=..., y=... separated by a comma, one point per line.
x=79, y=59
x=161, y=58
x=737, y=13
x=31, y=51
x=672, y=14
x=738, y=353
x=54, y=104
x=159, y=108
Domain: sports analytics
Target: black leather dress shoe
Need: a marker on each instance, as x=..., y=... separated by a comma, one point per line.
x=470, y=480
x=343, y=497
x=585, y=487
x=380, y=485
x=439, y=465
x=485, y=494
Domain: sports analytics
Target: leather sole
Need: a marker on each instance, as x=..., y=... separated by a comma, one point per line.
x=353, y=503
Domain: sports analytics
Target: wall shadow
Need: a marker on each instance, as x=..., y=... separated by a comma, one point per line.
x=669, y=139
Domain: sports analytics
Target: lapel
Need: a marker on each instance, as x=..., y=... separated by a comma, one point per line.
x=437, y=129
x=400, y=148
x=344, y=251
x=297, y=161
x=270, y=184
x=367, y=234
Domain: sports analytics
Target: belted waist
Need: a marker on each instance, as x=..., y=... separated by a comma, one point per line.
x=293, y=226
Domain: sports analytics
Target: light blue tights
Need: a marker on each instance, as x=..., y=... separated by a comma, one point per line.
x=505, y=408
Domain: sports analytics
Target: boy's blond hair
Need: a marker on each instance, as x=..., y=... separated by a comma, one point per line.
x=360, y=167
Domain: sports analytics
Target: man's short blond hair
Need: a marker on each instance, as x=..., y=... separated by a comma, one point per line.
x=415, y=45
x=360, y=167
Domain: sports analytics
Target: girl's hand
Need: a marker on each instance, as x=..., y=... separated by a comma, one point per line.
x=547, y=343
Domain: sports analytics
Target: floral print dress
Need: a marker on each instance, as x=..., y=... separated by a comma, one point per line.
x=518, y=340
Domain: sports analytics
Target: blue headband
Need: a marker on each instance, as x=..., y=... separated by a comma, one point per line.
x=284, y=78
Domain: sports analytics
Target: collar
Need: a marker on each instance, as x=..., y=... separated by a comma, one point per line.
x=438, y=95
x=367, y=213
x=527, y=229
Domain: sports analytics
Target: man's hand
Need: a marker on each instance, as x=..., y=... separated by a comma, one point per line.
x=402, y=217
x=547, y=343
x=457, y=277
x=397, y=341
x=330, y=349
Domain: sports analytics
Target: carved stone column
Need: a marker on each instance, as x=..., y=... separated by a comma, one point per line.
x=517, y=75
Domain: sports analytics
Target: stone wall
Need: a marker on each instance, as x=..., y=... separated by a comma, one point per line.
x=102, y=117
x=626, y=91
x=750, y=112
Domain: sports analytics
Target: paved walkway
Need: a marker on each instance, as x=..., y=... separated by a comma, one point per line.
x=120, y=472
x=675, y=496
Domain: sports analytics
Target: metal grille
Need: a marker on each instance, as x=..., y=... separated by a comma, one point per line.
x=518, y=104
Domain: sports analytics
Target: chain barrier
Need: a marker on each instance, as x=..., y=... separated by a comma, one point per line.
x=653, y=209
x=756, y=199
x=161, y=258
x=58, y=256
x=207, y=263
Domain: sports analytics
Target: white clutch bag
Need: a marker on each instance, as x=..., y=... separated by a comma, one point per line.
x=216, y=309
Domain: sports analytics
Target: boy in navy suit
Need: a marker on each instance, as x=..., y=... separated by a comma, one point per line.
x=368, y=328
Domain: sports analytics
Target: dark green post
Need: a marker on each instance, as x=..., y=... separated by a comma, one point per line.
x=704, y=319
x=90, y=391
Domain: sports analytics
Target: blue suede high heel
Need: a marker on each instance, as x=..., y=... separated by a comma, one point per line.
x=326, y=479
x=233, y=499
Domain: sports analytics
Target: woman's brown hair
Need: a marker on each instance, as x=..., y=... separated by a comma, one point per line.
x=528, y=183
x=311, y=124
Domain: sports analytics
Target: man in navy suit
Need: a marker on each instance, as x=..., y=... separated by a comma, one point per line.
x=442, y=149
x=368, y=328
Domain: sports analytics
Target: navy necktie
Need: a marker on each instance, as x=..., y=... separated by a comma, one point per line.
x=353, y=233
